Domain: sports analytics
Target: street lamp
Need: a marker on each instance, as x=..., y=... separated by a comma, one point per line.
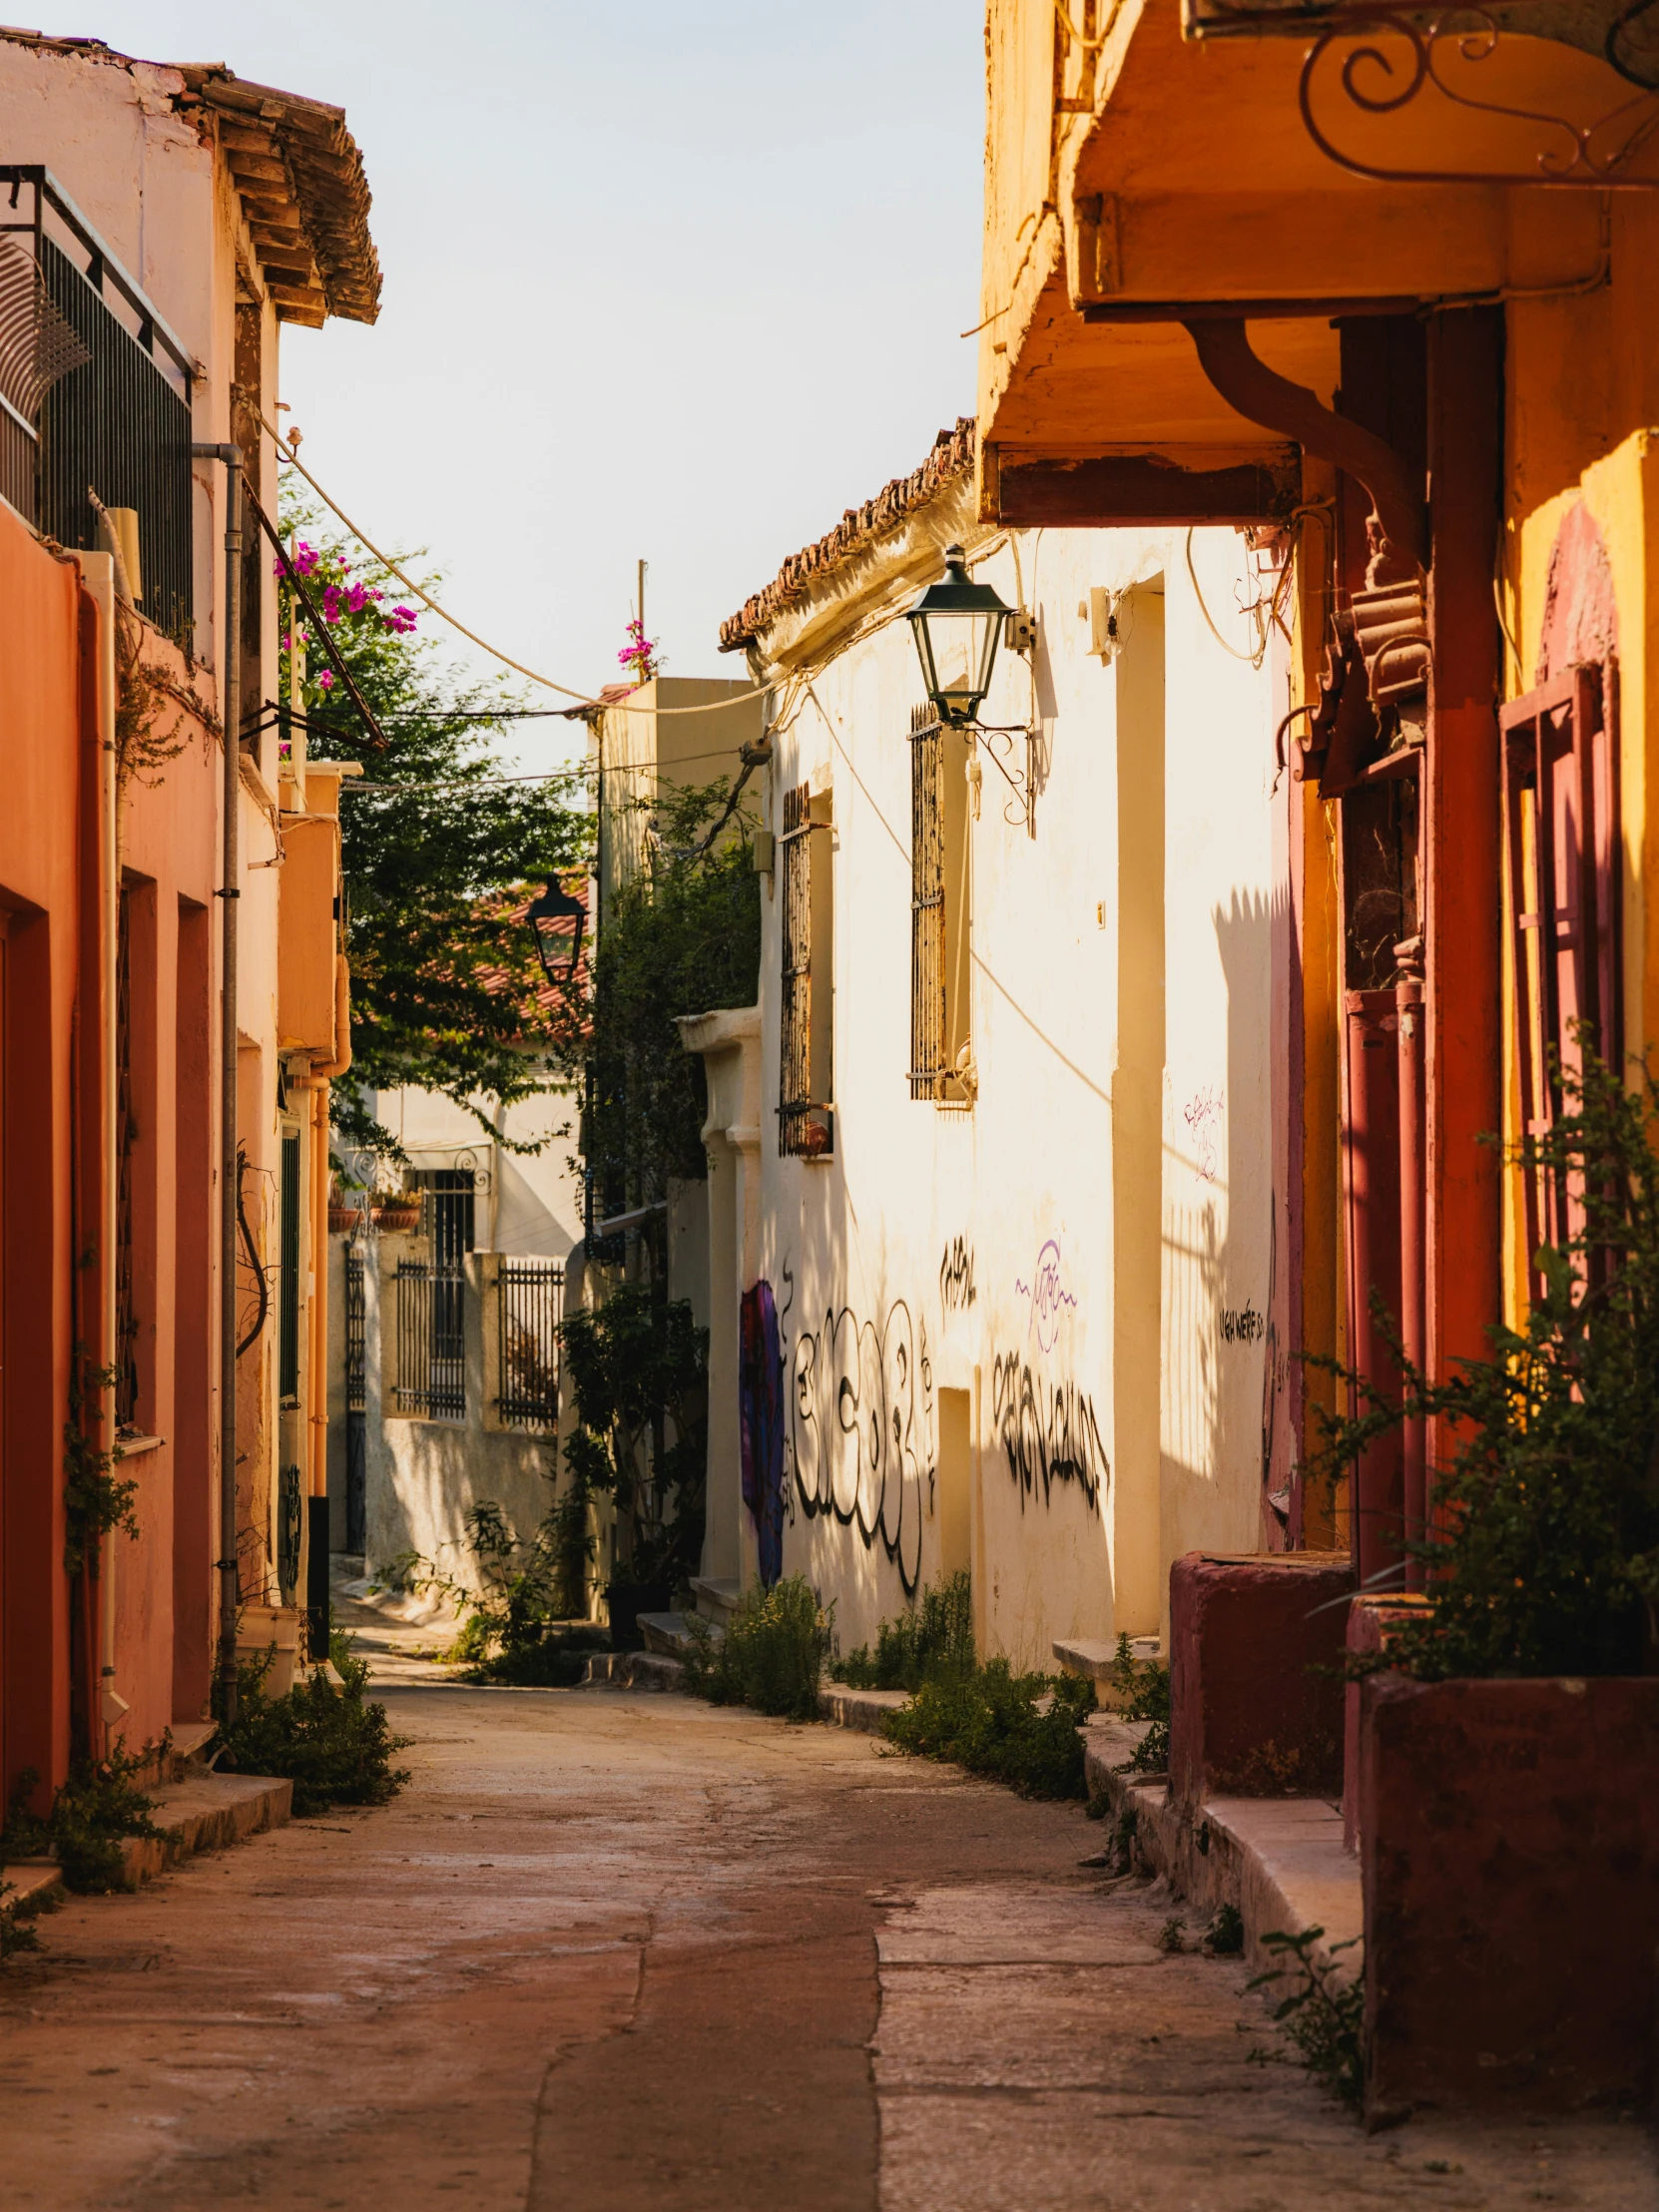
x=557, y=947
x=957, y=624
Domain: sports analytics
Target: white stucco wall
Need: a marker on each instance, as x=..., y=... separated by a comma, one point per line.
x=972, y=1251
x=529, y=1203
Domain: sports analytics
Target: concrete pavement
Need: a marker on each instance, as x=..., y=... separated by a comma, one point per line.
x=615, y=1950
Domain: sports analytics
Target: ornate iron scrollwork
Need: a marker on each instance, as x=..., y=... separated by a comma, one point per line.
x=1589, y=156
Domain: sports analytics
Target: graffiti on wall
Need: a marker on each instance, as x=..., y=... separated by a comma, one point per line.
x=860, y=1429
x=1203, y=1115
x=1046, y=1295
x=1048, y=1433
x=1242, y=1325
x=956, y=1289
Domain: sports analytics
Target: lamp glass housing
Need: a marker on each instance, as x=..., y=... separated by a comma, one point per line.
x=957, y=625
x=557, y=946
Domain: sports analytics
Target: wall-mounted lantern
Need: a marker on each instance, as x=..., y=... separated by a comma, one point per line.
x=957, y=625
x=559, y=947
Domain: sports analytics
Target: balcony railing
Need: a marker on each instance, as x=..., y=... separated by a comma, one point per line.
x=94, y=394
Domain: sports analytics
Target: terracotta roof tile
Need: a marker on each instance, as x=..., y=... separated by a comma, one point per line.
x=952, y=456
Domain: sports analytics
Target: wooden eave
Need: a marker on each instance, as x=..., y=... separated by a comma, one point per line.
x=300, y=178
x=1190, y=184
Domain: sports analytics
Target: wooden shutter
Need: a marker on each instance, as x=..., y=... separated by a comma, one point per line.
x=1561, y=828
x=795, y=1057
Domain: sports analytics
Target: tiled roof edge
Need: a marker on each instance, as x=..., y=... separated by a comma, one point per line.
x=952, y=456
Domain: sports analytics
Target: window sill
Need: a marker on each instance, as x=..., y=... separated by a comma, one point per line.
x=133, y=1447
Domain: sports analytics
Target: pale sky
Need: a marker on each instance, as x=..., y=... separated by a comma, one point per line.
x=682, y=279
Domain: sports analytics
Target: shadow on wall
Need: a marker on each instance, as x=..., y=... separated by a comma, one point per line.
x=1224, y=1424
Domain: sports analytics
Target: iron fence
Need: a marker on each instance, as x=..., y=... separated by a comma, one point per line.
x=432, y=1340
x=532, y=1299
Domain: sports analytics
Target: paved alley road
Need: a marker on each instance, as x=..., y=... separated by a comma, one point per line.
x=614, y=1950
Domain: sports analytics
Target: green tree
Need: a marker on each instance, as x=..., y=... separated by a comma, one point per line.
x=438, y=853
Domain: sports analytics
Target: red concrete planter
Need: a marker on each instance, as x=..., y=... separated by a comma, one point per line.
x=1248, y=1716
x=1509, y=1833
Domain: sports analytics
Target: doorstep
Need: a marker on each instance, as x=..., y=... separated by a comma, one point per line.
x=207, y=1813
x=717, y=1597
x=634, y=1670
x=865, y=1709
x=1280, y=1862
x=666, y=1633
x=28, y=1881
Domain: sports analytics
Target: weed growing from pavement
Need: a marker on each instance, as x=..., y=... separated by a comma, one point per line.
x=1021, y=1729
x=1225, y=1936
x=931, y=1638
x=1324, y=2014
x=336, y=1747
x=772, y=1656
x=1142, y=1694
x=1172, y=1936
x=16, y=1933
x=518, y=1628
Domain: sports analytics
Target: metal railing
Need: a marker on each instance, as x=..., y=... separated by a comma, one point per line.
x=95, y=395
x=432, y=1340
x=531, y=1295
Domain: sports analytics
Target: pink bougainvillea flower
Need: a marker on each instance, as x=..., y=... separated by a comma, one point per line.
x=327, y=679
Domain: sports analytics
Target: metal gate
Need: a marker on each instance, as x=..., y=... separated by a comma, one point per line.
x=432, y=1340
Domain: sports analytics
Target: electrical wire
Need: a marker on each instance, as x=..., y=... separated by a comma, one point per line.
x=586, y=698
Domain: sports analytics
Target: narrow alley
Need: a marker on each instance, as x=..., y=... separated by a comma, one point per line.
x=615, y=1950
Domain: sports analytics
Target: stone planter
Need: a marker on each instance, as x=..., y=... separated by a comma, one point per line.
x=1509, y=1837
x=1248, y=1715
x=396, y=1221
x=342, y=1220
x=259, y=1627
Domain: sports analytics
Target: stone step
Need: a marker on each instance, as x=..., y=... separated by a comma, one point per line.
x=864, y=1709
x=717, y=1598
x=666, y=1632
x=635, y=1670
x=206, y=1813
x=32, y=1881
x=1280, y=1862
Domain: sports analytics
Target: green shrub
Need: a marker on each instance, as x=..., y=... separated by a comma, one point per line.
x=97, y=1807
x=335, y=1747
x=518, y=1628
x=1143, y=1695
x=15, y=1934
x=1545, y=1557
x=557, y=1659
x=773, y=1654
x=1021, y=1729
x=933, y=1637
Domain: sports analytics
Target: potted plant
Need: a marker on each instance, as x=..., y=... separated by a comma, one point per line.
x=638, y=1370
x=1509, y=1789
x=397, y=1213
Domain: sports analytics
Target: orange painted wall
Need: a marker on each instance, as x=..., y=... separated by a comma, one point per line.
x=43, y=760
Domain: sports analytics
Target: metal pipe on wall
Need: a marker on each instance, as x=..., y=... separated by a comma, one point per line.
x=230, y=894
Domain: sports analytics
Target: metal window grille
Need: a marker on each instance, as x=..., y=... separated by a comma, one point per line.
x=355, y=1396
x=531, y=1296
x=125, y=1316
x=432, y=1340
x=450, y=1196
x=291, y=1508
x=287, y=1282
x=927, y=970
x=1562, y=815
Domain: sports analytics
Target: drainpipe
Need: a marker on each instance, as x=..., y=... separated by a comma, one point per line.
x=229, y=892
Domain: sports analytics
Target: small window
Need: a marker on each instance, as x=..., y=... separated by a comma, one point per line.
x=805, y=1117
x=1561, y=816
x=941, y=1053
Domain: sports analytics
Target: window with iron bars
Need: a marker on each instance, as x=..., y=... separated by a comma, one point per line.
x=530, y=1308
x=941, y=1058
x=805, y=1117
x=1561, y=817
